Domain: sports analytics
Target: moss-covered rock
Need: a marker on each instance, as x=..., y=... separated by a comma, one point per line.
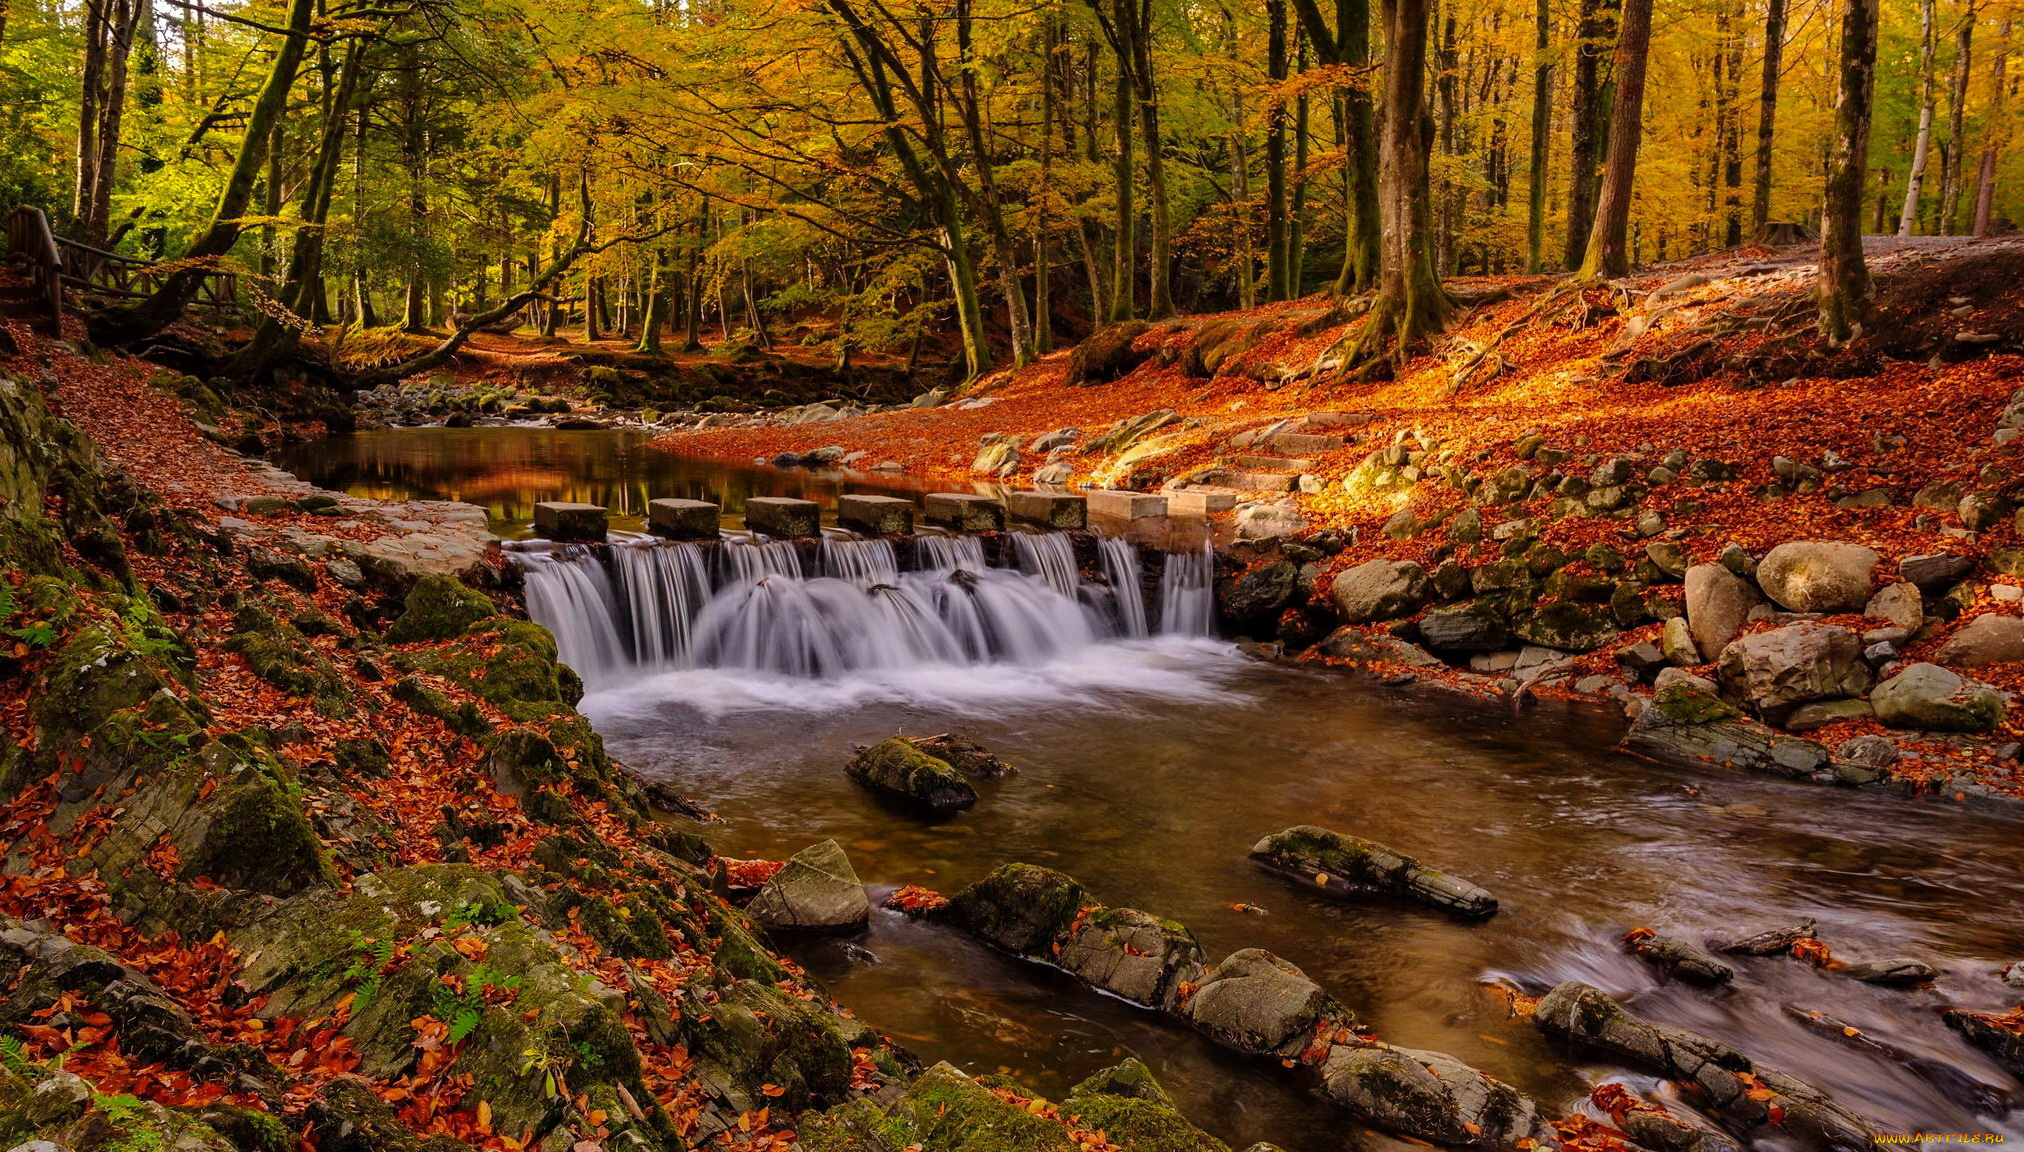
x=1021, y=908
x=439, y=608
x=1335, y=862
x=899, y=770
x=944, y=1110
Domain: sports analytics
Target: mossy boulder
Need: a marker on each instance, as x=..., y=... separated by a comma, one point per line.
x=439, y=608
x=1021, y=908
x=897, y=769
x=944, y=1110
x=1567, y=626
x=1334, y=862
x=1108, y=353
x=752, y=1034
x=1128, y=1105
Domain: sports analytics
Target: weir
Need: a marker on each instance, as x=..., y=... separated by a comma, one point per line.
x=848, y=603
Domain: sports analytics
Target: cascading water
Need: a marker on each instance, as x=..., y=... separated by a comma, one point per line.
x=654, y=606
x=1187, y=595
x=1121, y=566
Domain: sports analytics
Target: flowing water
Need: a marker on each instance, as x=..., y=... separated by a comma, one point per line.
x=1148, y=767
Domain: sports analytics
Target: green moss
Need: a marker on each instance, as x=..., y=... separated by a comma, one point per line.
x=256, y=834
x=1022, y=908
x=1141, y=1125
x=439, y=608
x=1686, y=704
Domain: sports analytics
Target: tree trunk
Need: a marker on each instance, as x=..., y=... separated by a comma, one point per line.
x=166, y=306
x=1275, y=154
x=1410, y=303
x=656, y=310
x=1159, y=291
x=1918, y=172
x=1542, y=126
x=1607, y=254
x=1767, y=112
x=1589, y=125
x=1124, y=256
x=1732, y=137
x=1296, y=201
x=1992, y=138
x=1951, y=172
x=1844, y=278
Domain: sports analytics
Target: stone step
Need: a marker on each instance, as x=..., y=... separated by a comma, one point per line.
x=783, y=517
x=876, y=515
x=684, y=519
x=1123, y=505
x=1273, y=464
x=1296, y=443
x=1200, y=501
x=1245, y=481
x=963, y=511
x=562, y=520
x=1315, y=420
x=1048, y=509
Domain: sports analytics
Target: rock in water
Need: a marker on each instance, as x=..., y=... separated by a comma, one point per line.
x=1257, y=1003
x=1749, y=1099
x=1992, y=1033
x=818, y=891
x=964, y=755
x=898, y=769
x=1334, y=862
x=1434, y=1097
x=1767, y=942
x=1901, y=972
x=1688, y=725
x=1678, y=959
x=1818, y=576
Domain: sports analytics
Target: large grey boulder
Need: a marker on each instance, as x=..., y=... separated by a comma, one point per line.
x=1750, y=1100
x=818, y=891
x=1380, y=590
x=1334, y=862
x=912, y=777
x=1718, y=601
x=1929, y=696
x=1774, y=672
x=1433, y=1097
x=1818, y=575
x=1988, y=639
x=1256, y=1002
x=1471, y=627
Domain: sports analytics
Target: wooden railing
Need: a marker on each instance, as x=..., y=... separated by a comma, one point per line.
x=29, y=238
x=53, y=263
x=110, y=274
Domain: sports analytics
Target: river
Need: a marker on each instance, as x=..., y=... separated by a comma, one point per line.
x=1148, y=767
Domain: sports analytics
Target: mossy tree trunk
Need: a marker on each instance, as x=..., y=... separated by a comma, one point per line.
x=1410, y=303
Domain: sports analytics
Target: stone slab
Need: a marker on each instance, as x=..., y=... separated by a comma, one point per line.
x=561, y=520
x=1122, y=505
x=1243, y=481
x=877, y=515
x=685, y=519
x=783, y=517
x=1048, y=509
x=1200, y=501
x=963, y=511
x=1274, y=464
x=1300, y=443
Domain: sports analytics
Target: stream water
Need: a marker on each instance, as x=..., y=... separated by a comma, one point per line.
x=1152, y=756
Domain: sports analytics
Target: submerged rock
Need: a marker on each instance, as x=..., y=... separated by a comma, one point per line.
x=1767, y=941
x=1749, y=1099
x=898, y=769
x=1338, y=863
x=1678, y=959
x=818, y=891
x=1901, y=972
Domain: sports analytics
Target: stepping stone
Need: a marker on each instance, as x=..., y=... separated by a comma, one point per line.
x=1200, y=501
x=685, y=519
x=1337, y=419
x=1250, y=481
x=1295, y=443
x=1048, y=509
x=560, y=520
x=1273, y=464
x=1122, y=505
x=876, y=515
x=783, y=517
x=963, y=512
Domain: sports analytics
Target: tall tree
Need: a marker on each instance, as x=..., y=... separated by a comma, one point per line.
x=1542, y=128
x=1348, y=46
x=1843, y=288
x=1993, y=137
x=1953, y=160
x=1588, y=118
x=1608, y=254
x=1909, y=217
x=1275, y=153
x=1767, y=112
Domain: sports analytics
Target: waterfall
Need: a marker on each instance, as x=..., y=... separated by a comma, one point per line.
x=1050, y=556
x=1187, y=595
x=1121, y=566
x=569, y=594
x=753, y=608
x=865, y=563
x=660, y=587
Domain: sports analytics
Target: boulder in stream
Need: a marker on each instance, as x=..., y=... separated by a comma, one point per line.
x=1765, y=941
x=1434, y=1097
x=2001, y=1035
x=1259, y=1004
x=904, y=772
x=964, y=755
x=1688, y=725
x=818, y=891
x=1335, y=862
x=1900, y=972
x=1677, y=958
x=1749, y=1099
